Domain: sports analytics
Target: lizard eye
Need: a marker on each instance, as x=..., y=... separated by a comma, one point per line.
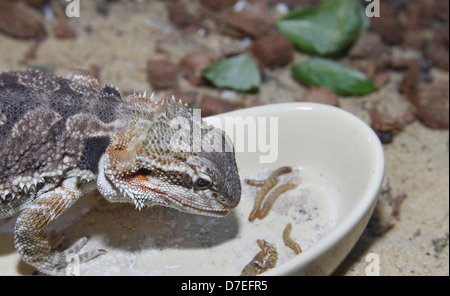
x=144, y=172
x=202, y=184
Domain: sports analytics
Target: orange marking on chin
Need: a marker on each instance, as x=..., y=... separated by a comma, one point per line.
x=142, y=182
x=140, y=178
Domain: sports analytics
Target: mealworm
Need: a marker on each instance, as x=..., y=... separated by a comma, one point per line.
x=273, y=197
x=265, y=259
x=269, y=184
x=265, y=185
x=274, y=174
x=288, y=241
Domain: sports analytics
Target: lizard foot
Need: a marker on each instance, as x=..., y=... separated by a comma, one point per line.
x=68, y=261
x=30, y=238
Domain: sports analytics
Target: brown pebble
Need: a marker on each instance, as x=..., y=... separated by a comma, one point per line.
x=432, y=105
x=321, y=95
x=419, y=15
x=253, y=24
x=387, y=125
x=411, y=79
x=438, y=53
x=382, y=78
x=211, y=105
x=63, y=30
x=95, y=71
x=193, y=63
x=217, y=5
x=369, y=44
x=273, y=50
x=17, y=21
x=389, y=25
x=36, y=3
x=162, y=74
x=181, y=17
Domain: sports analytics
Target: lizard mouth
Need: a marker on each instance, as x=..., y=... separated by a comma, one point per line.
x=181, y=204
x=216, y=213
x=208, y=206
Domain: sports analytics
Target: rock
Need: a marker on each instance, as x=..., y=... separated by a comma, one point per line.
x=193, y=63
x=17, y=21
x=369, y=44
x=432, y=104
x=437, y=49
x=63, y=30
x=430, y=100
x=211, y=105
x=442, y=10
x=319, y=95
x=273, y=50
x=36, y=3
x=438, y=54
x=95, y=70
x=217, y=5
x=380, y=79
x=386, y=125
x=419, y=14
x=252, y=23
x=388, y=26
x=181, y=18
x=162, y=74
x=411, y=79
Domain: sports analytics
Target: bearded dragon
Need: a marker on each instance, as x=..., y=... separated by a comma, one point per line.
x=64, y=137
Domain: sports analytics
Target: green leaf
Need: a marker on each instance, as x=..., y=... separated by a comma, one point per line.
x=239, y=73
x=328, y=73
x=326, y=29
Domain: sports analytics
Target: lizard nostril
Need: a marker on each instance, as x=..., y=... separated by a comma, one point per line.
x=227, y=203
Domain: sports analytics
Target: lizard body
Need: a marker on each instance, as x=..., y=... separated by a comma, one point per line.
x=64, y=137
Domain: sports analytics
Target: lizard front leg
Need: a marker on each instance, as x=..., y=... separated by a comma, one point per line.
x=30, y=238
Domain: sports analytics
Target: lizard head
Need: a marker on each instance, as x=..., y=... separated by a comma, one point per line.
x=166, y=156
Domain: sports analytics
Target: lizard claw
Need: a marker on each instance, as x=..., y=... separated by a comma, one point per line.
x=84, y=257
x=73, y=258
x=68, y=261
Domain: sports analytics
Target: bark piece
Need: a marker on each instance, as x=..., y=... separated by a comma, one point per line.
x=217, y=5
x=433, y=105
x=162, y=74
x=182, y=18
x=273, y=50
x=321, y=95
x=193, y=63
x=388, y=26
x=250, y=23
x=211, y=105
x=17, y=21
x=369, y=44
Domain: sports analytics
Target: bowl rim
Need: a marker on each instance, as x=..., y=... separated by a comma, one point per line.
x=361, y=208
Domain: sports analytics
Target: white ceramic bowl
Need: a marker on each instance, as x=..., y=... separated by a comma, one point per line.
x=338, y=146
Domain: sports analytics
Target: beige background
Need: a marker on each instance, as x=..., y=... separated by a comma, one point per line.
x=417, y=161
